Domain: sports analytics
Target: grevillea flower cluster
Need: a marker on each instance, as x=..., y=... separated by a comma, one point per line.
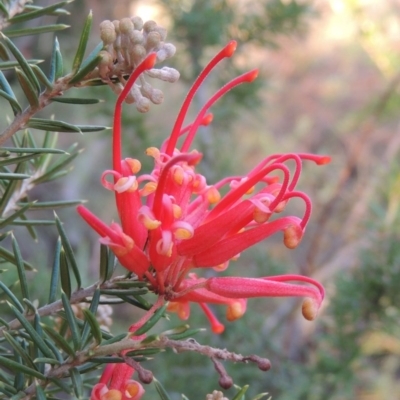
x=127, y=42
x=116, y=384
x=174, y=224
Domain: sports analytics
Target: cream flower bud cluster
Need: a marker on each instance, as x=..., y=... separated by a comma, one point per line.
x=216, y=395
x=126, y=43
x=103, y=314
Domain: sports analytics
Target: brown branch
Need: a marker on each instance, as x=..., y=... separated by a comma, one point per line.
x=22, y=119
x=161, y=342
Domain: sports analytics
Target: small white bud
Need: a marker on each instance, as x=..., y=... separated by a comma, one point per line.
x=166, y=51
x=125, y=26
x=165, y=74
x=106, y=64
x=143, y=105
x=137, y=23
x=136, y=37
x=149, y=26
x=156, y=96
x=116, y=26
x=107, y=32
x=116, y=87
x=162, y=31
x=153, y=40
x=137, y=53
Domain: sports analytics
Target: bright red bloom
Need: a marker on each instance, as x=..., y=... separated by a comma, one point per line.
x=115, y=384
x=173, y=221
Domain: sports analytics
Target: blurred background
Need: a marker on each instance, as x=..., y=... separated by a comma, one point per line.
x=328, y=84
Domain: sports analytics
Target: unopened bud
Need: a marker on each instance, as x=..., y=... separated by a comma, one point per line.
x=105, y=64
x=162, y=31
x=136, y=37
x=262, y=363
x=143, y=105
x=165, y=74
x=157, y=96
x=153, y=40
x=137, y=23
x=117, y=88
x=116, y=26
x=125, y=26
x=107, y=32
x=166, y=51
x=225, y=382
x=145, y=376
x=149, y=26
x=133, y=95
x=137, y=53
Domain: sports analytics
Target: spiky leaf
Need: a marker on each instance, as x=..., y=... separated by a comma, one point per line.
x=80, y=52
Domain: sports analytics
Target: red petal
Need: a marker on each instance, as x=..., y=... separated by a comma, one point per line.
x=227, y=248
x=209, y=233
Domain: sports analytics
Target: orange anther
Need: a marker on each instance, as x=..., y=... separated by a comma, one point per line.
x=309, y=309
x=134, y=165
x=213, y=195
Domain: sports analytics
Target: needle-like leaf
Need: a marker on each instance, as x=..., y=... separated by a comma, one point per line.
x=55, y=273
x=56, y=63
x=59, y=341
x=88, y=65
x=72, y=324
x=52, y=125
x=68, y=251
x=8, y=256
x=35, y=30
x=80, y=52
x=13, y=102
x=64, y=274
x=20, y=267
x=160, y=390
x=11, y=296
x=29, y=90
x=22, y=62
x=88, y=323
x=42, y=77
x=33, y=335
x=152, y=321
x=77, y=383
x=11, y=218
x=37, y=12
x=13, y=176
x=7, y=89
x=19, y=349
x=74, y=100
x=240, y=394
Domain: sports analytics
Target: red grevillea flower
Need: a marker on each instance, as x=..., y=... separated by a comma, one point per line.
x=116, y=384
x=174, y=223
